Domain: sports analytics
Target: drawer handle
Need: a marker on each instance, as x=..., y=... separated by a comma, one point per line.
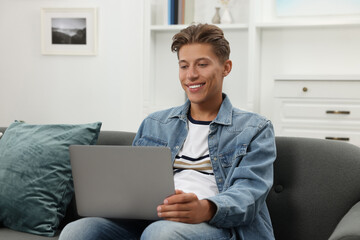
x=338, y=112
x=338, y=138
x=305, y=89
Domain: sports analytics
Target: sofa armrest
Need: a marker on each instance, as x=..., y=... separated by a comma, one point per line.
x=349, y=226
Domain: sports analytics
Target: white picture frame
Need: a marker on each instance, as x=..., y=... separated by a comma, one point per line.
x=69, y=31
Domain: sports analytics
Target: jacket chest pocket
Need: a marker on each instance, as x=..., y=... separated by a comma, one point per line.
x=234, y=157
x=150, y=141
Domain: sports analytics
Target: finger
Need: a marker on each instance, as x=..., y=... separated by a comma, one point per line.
x=178, y=191
x=174, y=207
x=180, y=198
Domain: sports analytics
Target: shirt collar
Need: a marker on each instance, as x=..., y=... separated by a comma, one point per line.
x=223, y=117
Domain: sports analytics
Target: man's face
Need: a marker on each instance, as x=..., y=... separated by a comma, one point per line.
x=201, y=73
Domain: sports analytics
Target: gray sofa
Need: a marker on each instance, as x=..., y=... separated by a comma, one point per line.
x=316, y=192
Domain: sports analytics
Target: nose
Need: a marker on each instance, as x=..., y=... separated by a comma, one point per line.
x=192, y=73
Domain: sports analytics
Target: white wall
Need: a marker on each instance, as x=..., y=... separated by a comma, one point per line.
x=72, y=89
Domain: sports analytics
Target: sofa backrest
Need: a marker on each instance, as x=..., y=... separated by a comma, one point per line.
x=115, y=138
x=315, y=183
x=2, y=129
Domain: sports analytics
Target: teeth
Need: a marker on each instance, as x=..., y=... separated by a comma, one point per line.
x=196, y=86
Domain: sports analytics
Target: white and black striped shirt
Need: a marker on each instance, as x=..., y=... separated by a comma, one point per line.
x=192, y=166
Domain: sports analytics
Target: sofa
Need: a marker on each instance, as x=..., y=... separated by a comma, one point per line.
x=315, y=195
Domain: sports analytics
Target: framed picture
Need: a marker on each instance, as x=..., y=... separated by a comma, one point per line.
x=69, y=31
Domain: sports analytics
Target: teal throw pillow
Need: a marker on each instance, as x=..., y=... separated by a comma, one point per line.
x=35, y=174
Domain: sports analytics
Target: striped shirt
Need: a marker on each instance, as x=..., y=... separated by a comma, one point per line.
x=192, y=167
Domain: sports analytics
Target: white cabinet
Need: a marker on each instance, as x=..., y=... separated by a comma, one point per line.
x=326, y=107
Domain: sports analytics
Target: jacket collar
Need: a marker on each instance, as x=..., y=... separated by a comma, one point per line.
x=224, y=116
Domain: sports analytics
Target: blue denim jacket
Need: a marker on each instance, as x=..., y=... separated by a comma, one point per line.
x=242, y=152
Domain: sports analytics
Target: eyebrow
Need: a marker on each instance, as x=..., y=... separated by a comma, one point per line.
x=196, y=60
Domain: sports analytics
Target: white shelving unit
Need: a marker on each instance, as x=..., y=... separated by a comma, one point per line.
x=263, y=46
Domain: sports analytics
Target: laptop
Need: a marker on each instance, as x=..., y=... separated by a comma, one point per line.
x=121, y=181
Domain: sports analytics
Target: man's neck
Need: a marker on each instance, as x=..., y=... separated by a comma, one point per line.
x=204, y=113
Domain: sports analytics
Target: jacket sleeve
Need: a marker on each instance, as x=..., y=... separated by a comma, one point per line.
x=138, y=133
x=248, y=183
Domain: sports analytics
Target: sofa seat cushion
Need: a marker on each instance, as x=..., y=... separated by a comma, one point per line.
x=8, y=234
x=35, y=174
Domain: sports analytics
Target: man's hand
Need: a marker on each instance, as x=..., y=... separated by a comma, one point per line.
x=186, y=208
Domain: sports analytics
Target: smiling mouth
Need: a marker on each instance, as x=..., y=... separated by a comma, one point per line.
x=196, y=86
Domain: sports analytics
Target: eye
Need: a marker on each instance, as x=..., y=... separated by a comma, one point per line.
x=202, y=64
x=183, y=66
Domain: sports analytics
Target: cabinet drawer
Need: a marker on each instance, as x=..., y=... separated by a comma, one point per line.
x=343, y=89
x=350, y=136
x=319, y=110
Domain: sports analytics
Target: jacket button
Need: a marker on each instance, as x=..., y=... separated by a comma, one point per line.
x=279, y=188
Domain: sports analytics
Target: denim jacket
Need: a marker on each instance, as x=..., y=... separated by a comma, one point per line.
x=242, y=152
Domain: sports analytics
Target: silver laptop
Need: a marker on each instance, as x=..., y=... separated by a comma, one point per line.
x=121, y=181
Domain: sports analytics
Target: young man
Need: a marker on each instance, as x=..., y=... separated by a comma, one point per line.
x=223, y=157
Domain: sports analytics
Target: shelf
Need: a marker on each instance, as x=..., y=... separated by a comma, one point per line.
x=308, y=24
x=318, y=77
x=160, y=28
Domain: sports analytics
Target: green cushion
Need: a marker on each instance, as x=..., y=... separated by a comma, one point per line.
x=35, y=174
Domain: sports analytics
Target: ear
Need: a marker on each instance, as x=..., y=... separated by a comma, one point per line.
x=227, y=67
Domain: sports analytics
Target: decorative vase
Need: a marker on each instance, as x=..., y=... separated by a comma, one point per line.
x=226, y=17
x=216, y=18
